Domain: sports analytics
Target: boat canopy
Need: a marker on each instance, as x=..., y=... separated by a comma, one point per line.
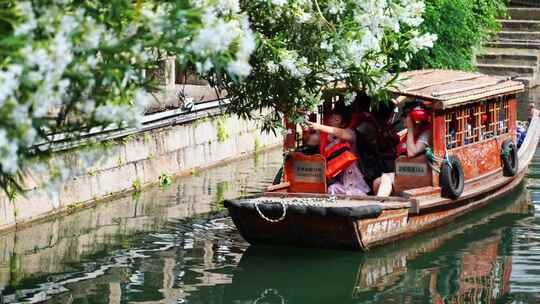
x=451, y=88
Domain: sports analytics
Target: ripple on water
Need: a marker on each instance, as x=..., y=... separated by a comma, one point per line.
x=197, y=258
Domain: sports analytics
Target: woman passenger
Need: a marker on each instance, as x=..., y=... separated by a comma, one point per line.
x=418, y=139
x=350, y=181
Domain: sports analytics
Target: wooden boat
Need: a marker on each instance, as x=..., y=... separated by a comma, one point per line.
x=474, y=143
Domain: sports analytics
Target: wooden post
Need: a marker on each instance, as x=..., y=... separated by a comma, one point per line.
x=512, y=116
x=439, y=140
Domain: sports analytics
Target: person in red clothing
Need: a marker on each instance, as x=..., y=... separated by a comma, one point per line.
x=418, y=138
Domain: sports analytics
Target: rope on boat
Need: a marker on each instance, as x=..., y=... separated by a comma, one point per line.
x=281, y=218
x=271, y=292
x=433, y=160
x=307, y=201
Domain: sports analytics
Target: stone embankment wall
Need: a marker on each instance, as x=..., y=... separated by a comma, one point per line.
x=138, y=160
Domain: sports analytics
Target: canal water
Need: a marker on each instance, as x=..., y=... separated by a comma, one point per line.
x=177, y=245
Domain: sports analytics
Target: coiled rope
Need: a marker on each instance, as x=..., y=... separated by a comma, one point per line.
x=281, y=218
x=316, y=202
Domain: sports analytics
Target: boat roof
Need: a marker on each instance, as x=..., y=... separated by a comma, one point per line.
x=451, y=88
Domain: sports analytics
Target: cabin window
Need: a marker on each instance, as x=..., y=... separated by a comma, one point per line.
x=493, y=117
x=472, y=130
x=487, y=130
x=458, y=131
x=495, y=120
x=451, y=128
x=475, y=122
x=503, y=116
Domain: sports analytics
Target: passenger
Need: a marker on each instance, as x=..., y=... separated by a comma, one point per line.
x=417, y=140
x=350, y=181
x=377, y=140
x=311, y=143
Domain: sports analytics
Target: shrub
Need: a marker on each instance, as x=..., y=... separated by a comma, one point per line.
x=461, y=27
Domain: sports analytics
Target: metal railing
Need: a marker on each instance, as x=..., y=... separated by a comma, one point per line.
x=59, y=142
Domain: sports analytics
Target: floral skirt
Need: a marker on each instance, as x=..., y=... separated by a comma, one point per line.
x=350, y=182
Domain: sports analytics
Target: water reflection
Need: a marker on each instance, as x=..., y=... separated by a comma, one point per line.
x=469, y=262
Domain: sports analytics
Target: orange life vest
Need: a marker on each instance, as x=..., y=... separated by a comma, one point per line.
x=338, y=158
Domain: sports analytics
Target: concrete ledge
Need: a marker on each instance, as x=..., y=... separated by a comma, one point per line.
x=137, y=161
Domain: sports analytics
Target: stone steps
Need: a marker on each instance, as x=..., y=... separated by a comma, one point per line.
x=507, y=70
x=515, y=51
x=519, y=35
x=507, y=59
x=520, y=25
x=514, y=44
x=524, y=13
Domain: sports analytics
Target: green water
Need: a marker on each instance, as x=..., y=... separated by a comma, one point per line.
x=176, y=245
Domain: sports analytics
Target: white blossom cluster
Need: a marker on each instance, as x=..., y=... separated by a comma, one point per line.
x=305, y=46
x=69, y=68
x=354, y=39
x=220, y=33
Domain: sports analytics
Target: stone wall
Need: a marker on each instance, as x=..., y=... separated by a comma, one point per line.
x=139, y=160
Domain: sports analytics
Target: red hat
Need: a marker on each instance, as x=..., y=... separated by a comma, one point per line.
x=419, y=114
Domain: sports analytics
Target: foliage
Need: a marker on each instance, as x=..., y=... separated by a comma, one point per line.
x=462, y=26
x=220, y=125
x=164, y=180
x=304, y=45
x=67, y=66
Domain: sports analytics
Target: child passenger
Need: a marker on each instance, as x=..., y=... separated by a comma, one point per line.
x=350, y=181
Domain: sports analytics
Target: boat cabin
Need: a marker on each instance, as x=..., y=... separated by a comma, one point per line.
x=473, y=127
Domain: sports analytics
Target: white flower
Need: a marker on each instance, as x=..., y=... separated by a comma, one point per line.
x=26, y=10
x=93, y=35
x=30, y=136
x=304, y=17
x=297, y=67
x=246, y=45
x=423, y=41
x=272, y=67
x=229, y=6
x=325, y=45
x=215, y=38
x=92, y=61
x=336, y=7
x=9, y=82
x=141, y=99
x=279, y=2
x=239, y=67
x=88, y=106
x=289, y=64
x=8, y=153
x=68, y=24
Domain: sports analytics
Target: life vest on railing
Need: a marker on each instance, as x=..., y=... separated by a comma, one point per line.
x=338, y=158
